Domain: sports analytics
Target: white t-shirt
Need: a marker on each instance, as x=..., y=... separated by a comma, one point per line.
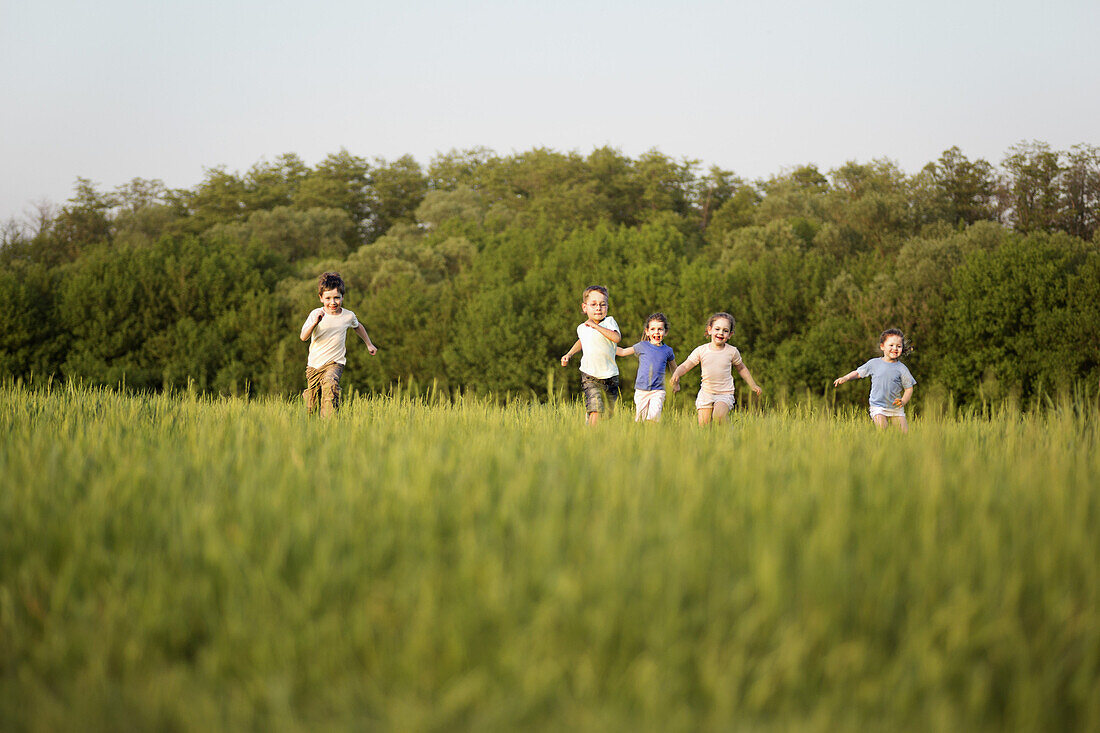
x=598, y=357
x=329, y=339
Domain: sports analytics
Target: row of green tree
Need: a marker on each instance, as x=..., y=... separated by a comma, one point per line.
x=468, y=274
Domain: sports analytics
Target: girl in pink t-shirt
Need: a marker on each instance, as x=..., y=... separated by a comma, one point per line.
x=718, y=360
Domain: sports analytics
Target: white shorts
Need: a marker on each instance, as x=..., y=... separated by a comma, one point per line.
x=887, y=411
x=649, y=403
x=709, y=399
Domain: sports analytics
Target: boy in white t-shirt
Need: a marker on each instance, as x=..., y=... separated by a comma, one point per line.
x=597, y=337
x=326, y=328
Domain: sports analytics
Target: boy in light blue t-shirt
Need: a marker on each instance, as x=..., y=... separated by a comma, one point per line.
x=891, y=383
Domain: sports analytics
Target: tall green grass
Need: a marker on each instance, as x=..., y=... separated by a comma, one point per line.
x=175, y=563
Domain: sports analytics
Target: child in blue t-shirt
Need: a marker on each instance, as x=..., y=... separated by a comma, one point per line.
x=891, y=382
x=654, y=358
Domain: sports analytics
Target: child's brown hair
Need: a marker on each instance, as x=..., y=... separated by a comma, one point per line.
x=716, y=316
x=659, y=317
x=330, y=281
x=597, y=288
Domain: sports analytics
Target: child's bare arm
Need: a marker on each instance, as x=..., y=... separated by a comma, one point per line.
x=307, y=330
x=575, y=348
x=612, y=336
x=744, y=372
x=628, y=351
x=854, y=374
x=679, y=372
x=905, y=397
x=675, y=382
x=366, y=339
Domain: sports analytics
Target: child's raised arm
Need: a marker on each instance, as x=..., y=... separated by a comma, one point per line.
x=576, y=347
x=611, y=335
x=311, y=323
x=854, y=374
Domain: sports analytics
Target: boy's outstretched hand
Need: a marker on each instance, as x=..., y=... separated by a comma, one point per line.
x=565, y=360
x=372, y=349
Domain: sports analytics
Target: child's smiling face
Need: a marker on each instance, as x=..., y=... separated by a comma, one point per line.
x=332, y=301
x=891, y=348
x=655, y=332
x=720, y=331
x=595, y=306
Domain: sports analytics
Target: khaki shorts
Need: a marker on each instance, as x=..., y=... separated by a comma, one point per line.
x=323, y=388
x=596, y=390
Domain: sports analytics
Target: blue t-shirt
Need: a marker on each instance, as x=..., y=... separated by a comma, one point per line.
x=889, y=380
x=652, y=362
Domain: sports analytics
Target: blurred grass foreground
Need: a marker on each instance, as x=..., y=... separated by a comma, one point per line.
x=174, y=563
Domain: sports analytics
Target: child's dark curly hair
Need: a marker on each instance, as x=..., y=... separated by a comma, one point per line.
x=330, y=280
x=906, y=344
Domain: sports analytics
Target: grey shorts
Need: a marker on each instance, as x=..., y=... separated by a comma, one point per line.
x=596, y=389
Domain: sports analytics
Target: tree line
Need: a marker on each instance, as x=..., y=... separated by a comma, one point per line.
x=468, y=272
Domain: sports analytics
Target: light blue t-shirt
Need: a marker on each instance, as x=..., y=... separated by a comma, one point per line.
x=889, y=380
x=652, y=362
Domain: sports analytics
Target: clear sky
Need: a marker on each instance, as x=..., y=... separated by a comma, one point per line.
x=118, y=89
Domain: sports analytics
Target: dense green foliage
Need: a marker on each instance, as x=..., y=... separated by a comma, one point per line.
x=468, y=273
x=173, y=563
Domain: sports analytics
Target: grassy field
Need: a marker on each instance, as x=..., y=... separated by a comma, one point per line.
x=174, y=563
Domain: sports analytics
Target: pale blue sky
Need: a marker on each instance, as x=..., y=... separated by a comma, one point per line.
x=125, y=88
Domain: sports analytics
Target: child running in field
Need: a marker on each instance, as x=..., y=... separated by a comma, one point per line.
x=597, y=337
x=891, y=382
x=654, y=357
x=718, y=360
x=327, y=330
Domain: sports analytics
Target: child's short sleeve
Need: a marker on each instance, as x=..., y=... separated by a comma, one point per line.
x=907, y=380
x=695, y=356
x=864, y=371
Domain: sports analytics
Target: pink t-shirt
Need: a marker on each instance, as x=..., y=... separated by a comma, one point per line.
x=717, y=366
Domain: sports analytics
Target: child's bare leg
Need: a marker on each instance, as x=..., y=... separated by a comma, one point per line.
x=880, y=421
x=901, y=424
x=704, y=415
x=721, y=409
x=593, y=418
